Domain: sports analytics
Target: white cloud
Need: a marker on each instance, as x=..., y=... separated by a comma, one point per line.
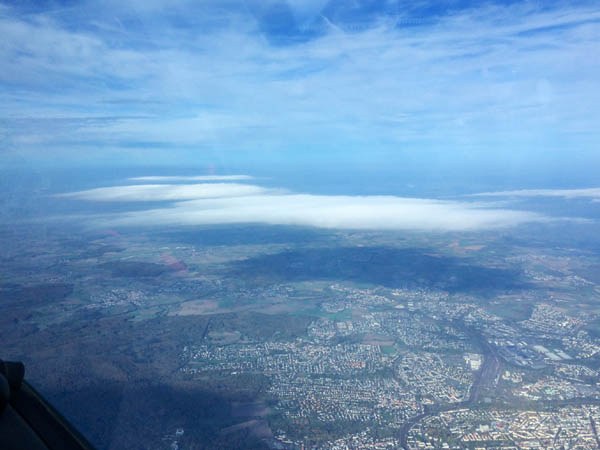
x=165, y=192
x=194, y=178
x=212, y=204
x=343, y=212
x=593, y=193
x=507, y=75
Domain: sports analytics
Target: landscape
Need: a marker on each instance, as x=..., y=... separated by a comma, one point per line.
x=271, y=336
x=300, y=224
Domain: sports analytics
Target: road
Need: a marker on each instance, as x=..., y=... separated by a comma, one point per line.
x=595, y=430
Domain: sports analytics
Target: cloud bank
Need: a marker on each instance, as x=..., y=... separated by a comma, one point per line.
x=193, y=178
x=342, y=212
x=163, y=192
x=593, y=193
x=230, y=203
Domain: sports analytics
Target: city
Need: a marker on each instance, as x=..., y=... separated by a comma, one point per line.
x=321, y=362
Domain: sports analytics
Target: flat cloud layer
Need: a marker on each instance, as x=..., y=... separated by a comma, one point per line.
x=565, y=193
x=344, y=212
x=230, y=203
x=162, y=192
x=194, y=178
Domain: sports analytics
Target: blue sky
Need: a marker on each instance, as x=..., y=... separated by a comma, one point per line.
x=181, y=83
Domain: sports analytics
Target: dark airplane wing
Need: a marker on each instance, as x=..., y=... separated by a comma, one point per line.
x=27, y=421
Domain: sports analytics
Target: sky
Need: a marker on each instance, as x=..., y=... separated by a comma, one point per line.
x=456, y=85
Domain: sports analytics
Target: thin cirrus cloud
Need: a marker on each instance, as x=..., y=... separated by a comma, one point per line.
x=222, y=203
x=491, y=76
